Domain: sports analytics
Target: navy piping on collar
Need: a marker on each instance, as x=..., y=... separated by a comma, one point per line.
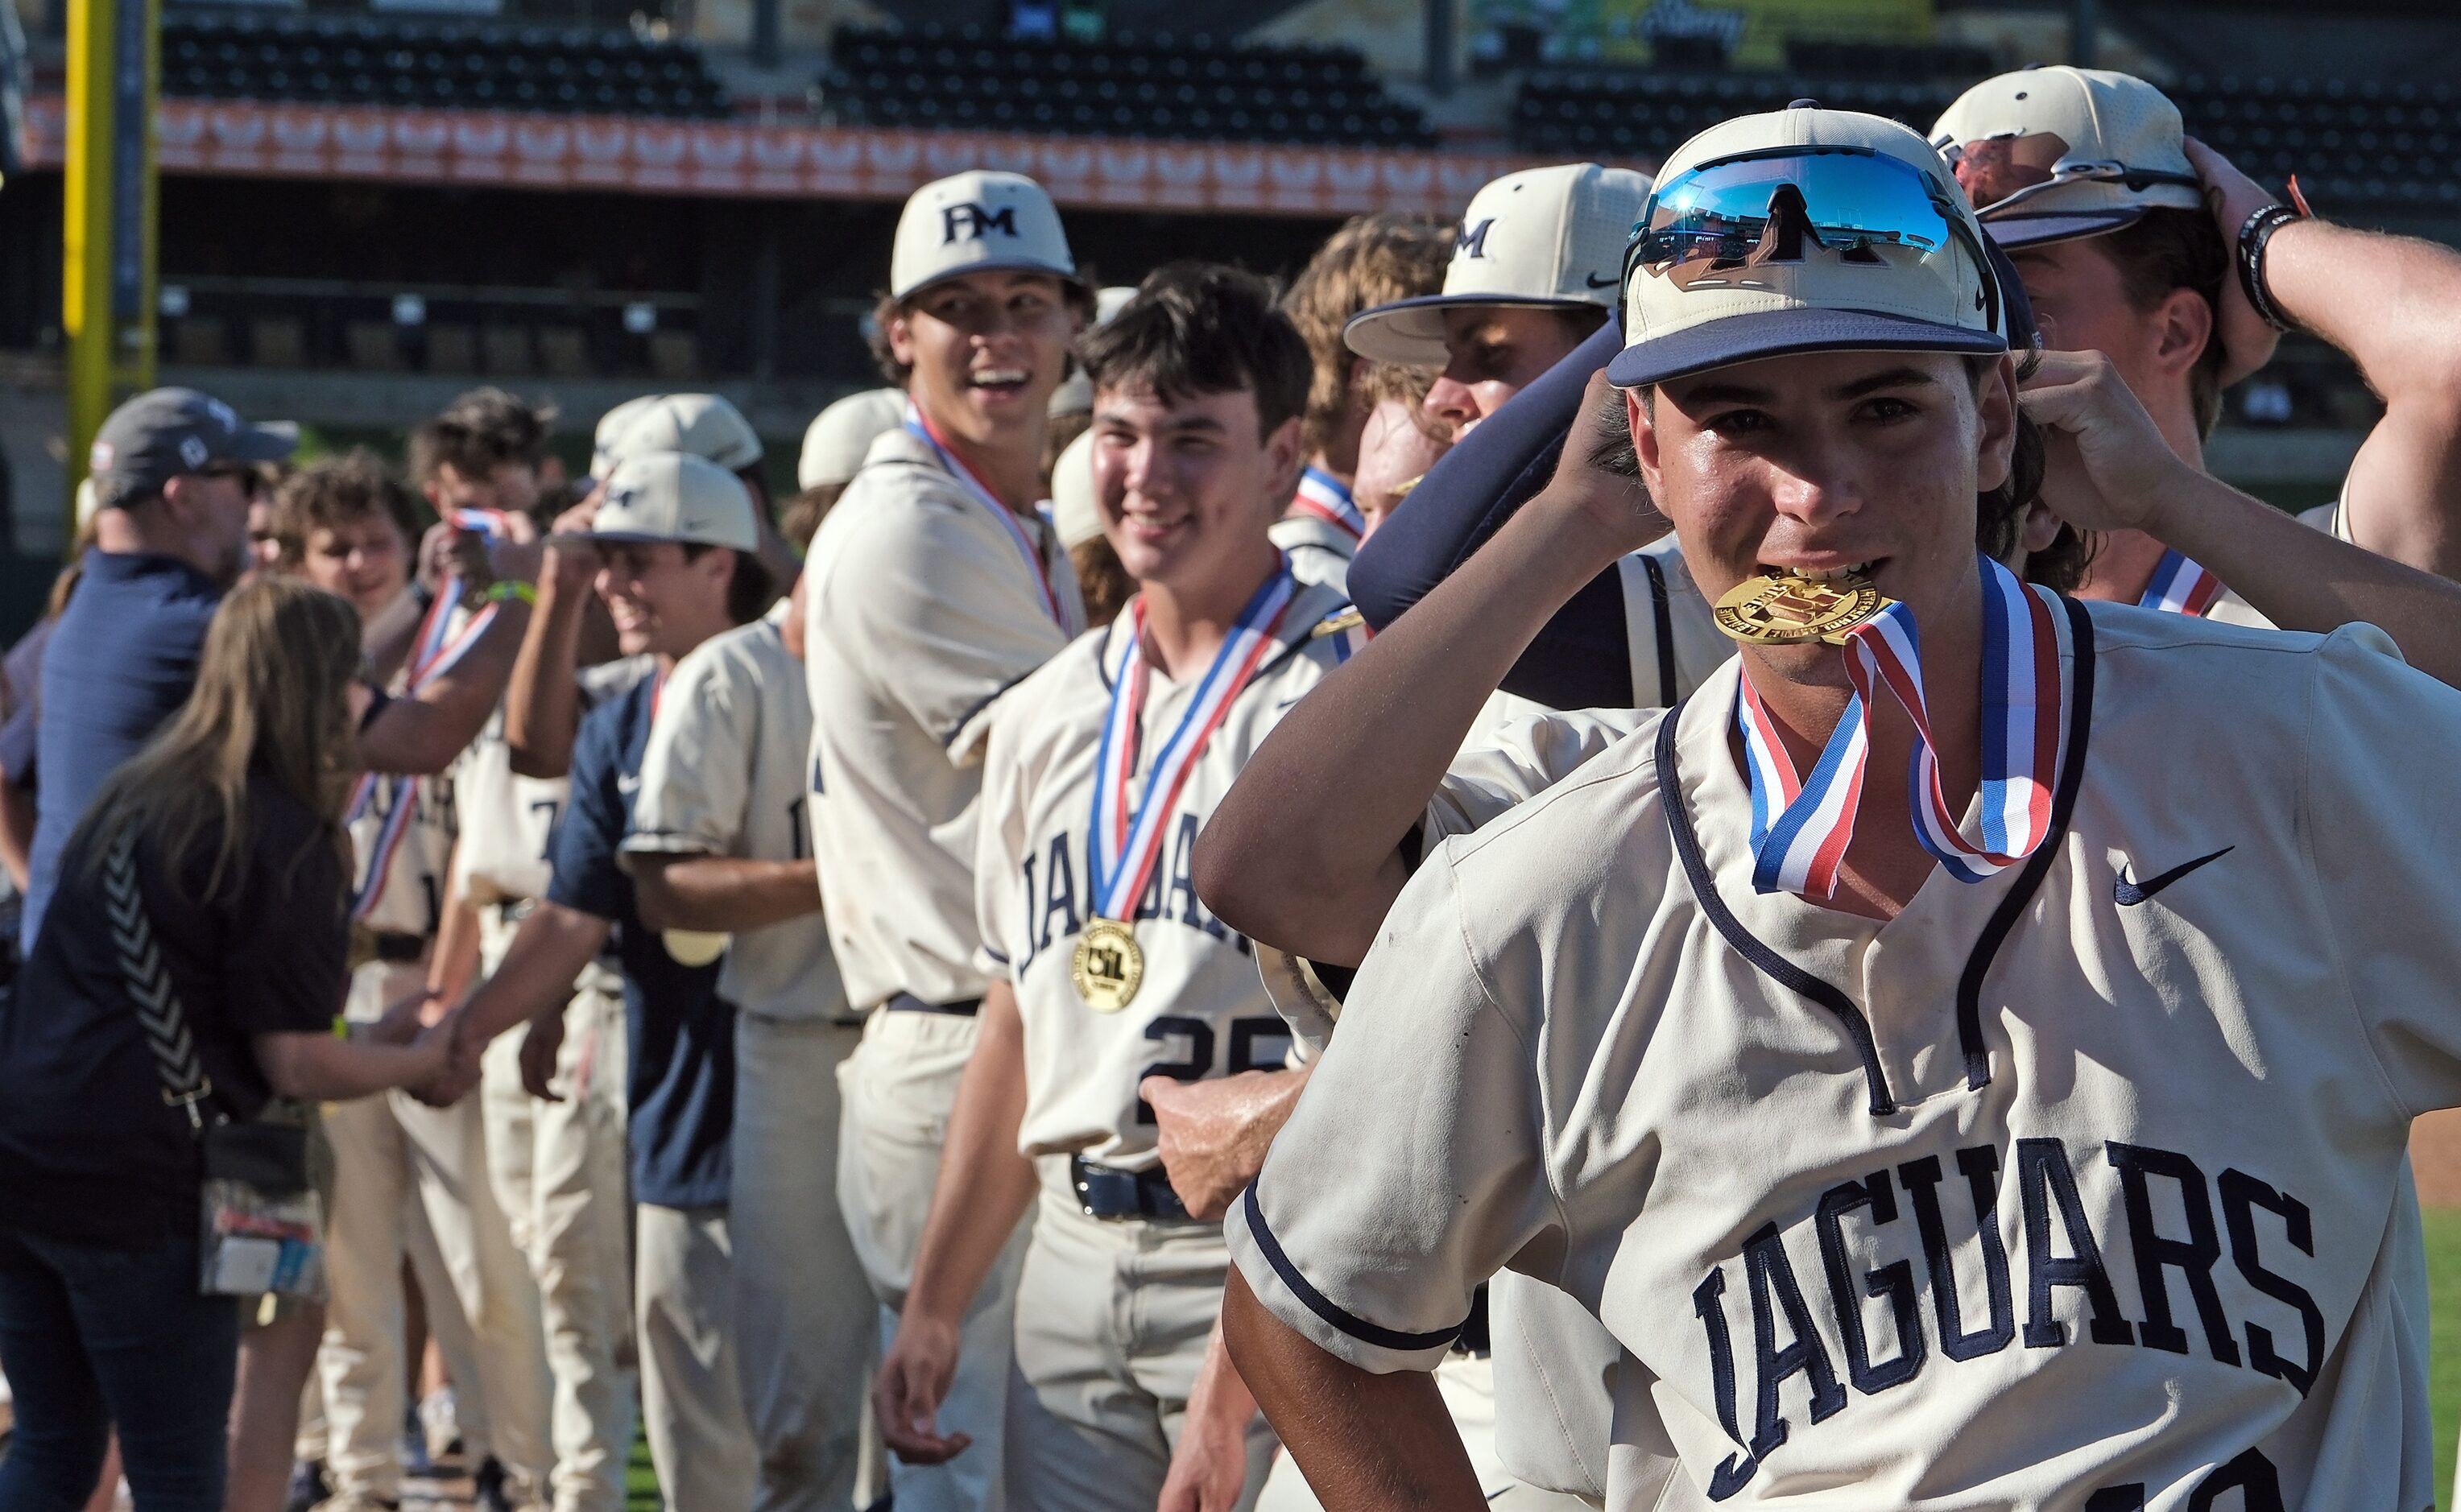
x=1978, y=965
x=1324, y=1307
x=1663, y=621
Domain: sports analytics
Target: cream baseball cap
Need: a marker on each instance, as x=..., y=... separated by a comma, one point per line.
x=611, y=426
x=2049, y=153
x=976, y=221
x=702, y=424
x=1544, y=237
x=675, y=496
x=1072, y=512
x=1770, y=269
x=838, y=438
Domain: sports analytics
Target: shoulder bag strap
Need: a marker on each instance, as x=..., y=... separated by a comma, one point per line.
x=184, y=1083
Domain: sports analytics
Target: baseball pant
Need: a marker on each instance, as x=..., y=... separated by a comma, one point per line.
x=806, y=1321
x=1112, y=1321
x=692, y=1408
x=559, y=1176
x=1466, y=1382
x=899, y=1086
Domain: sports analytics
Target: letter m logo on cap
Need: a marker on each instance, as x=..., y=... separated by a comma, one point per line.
x=1470, y=241
x=973, y=221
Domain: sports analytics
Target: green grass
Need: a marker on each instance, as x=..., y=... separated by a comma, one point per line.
x=2444, y=1379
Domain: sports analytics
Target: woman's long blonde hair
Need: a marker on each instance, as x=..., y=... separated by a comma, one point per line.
x=271, y=696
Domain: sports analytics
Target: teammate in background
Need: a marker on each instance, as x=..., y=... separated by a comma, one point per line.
x=1373, y=261
x=1396, y=445
x=707, y=425
x=934, y=587
x=1072, y=403
x=409, y=1179
x=2153, y=250
x=483, y=452
x=834, y=446
x=1533, y=274
x=677, y=538
x=1102, y=979
x=720, y=857
x=1099, y=578
x=1709, y=942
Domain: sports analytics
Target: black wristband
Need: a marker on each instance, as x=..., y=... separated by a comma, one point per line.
x=2252, y=235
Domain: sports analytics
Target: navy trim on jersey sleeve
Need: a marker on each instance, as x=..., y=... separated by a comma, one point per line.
x=1323, y=1306
x=1581, y=658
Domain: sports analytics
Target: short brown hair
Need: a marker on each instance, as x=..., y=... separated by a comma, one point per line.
x=1075, y=292
x=336, y=491
x=1372, y=260
x=1203, y=328
x=480, y=432
x=2166, y=249
x=800, y=518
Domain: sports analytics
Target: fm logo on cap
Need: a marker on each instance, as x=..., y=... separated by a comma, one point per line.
x=223, y=415
x=1471, y=240
x=192, y=451
x=622, y=496
x=971, y=221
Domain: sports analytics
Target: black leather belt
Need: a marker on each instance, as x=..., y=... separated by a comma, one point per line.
x=909, y=1003
x=400, y=948
x=1107, y=1192
x=1475, y=1338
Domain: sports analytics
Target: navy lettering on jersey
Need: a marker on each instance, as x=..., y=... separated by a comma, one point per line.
x=1034, y=942
x=1059, y=878
x=1981, y=1165
x=1893, y=1282
x=1773, y=1289
x=1708, y=1304
x=2129, y=1498
x=1057, y=914
x=2241, y=1196
x=2192, y=1256
x=2044, y=1177
x=2251, y=1475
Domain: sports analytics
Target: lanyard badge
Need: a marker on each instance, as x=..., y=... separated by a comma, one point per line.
x=1125, y=843
x=1803, y=823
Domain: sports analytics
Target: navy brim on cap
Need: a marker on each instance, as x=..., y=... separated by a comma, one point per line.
x=268, y=442
x=1411, y=331
x=2035, y=231
x=1785, y=333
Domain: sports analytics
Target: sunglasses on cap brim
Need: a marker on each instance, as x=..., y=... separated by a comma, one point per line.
x=1786, y=203
x=2000, y=173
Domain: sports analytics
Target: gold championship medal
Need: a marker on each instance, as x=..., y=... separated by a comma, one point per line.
x=695, y=947
x=1787, y=608
x=1108, y=965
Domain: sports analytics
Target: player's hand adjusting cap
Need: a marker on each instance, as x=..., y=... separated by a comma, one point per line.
x=674, y=496
x=1543, y=237
x=976, y=221
x=2048, y=154
x=1804, y=230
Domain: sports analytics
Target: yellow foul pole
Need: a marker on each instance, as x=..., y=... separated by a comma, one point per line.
x=108, y=268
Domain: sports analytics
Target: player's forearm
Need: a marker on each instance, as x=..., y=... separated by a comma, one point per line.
x=1366, y=1442
x=543, y=698
x=2301, y=578
x=16, y=831
x=387, y=640
x=985, y=1186
x=537, y=973
x=423, y=733
x=1300, y=852
x=455, y=959
x=722, y=893
x=1220, y=1399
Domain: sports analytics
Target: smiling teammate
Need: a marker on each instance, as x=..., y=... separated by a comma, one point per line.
x=933, y=587
x=2189, y=1180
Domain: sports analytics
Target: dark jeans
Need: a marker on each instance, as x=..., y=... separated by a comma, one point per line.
x=93, y=1336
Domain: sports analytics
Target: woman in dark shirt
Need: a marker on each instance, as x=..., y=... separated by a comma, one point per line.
x=235, y=810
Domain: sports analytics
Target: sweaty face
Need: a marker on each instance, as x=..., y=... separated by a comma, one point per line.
x=1828, y=463
x=662, y=604
x=2081, y=303
x=1188, y=490
x=987, y=351
x=1494, y=351
x=1394, y=450
x=512, y=487
x=365, y=560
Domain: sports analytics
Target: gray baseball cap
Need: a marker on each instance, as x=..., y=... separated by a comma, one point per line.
x=163, y=432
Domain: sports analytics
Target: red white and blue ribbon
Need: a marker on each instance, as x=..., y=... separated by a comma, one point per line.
x=1322, y=497
x=433, y=652
x=1064, y=615
x=1128, y=842
x=2180, y=587
x=1802, y=826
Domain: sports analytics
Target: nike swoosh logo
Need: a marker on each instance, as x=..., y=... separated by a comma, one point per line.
x=628, y=784
x=1596, y=282
x=2128, y=894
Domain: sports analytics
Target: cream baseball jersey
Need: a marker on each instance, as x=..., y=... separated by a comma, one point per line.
x=924, y=602
x=401, y=841
x=1674, y=640
x=1319, y=551
x=1200, y=1008
x=506, y=821
x=724, y=774
x=2082, y=1186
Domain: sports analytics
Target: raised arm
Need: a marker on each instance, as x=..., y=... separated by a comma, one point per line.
x=1303, y=854
x=543, y=704
x=2393, y=304
x=421, y=734
x=2121, y=476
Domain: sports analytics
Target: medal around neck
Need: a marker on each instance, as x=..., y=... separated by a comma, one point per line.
x=1787, y=609
x=1108, y=965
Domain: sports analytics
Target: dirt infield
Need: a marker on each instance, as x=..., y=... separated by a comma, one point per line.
x=2435, y=1155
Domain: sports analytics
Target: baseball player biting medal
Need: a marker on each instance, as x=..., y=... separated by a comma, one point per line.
x=1964, y=1052
x=1106, y=969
